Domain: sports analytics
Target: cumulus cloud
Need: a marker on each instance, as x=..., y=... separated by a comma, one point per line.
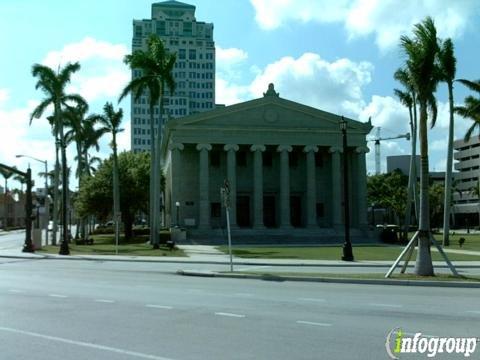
x=86, y=49
x=332, y=86
x=386, y=20
x=102, y=73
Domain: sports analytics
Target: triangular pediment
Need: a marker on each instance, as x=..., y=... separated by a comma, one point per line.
x=266, y=112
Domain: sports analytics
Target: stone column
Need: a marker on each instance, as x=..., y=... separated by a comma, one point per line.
x=257, y=185
x=231, y=150
x=336, y=187
x=360, y=179
x=175, y=190
x=203, y=190
x=284, y=186
x=311, y=197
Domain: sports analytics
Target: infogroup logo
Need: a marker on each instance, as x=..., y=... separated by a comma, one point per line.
x=398, y=343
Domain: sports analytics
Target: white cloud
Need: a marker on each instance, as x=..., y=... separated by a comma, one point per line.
x=227, y=57
x=4, y=95
x=332, y=86
x=102, y=73
x=386, y=20
x=86, y=49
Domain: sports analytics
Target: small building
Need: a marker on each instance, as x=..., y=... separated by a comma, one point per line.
x=466, y=197
x=283, y=162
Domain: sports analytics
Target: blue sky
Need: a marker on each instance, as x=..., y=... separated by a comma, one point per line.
x=337, y=56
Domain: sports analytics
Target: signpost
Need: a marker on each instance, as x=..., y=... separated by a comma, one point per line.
x=225, y=193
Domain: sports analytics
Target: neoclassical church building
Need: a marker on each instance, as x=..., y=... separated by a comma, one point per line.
x=283, y=161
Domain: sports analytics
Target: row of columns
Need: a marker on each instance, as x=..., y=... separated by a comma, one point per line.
x=284, y=150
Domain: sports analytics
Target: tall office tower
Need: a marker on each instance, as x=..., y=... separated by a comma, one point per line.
x=174, y=22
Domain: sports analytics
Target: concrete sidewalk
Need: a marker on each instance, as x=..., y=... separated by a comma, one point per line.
x=204, y=257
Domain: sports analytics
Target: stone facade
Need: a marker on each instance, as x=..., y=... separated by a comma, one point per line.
x=283, y=161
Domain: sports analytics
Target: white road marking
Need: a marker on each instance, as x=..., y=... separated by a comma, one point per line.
x=57, y=296
x=254, y=267
x=16, y=291
x=159, y=306
x=85, y=344
x=473, y=311
x=312, y=323
x=312, y=299
x=104, y=301
x=229, y=314
x=387, y=305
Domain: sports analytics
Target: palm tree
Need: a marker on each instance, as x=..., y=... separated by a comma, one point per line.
x=406, y=99
x=447, y=64
x=21, y=180
x=156, y=65
x=53, y=86
x=111, y=121
x=471, y=107
x=421, y=52
x=6, y=175
x=81, y=126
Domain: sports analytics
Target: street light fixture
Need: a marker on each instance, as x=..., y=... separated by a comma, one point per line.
x=177, y=204
x=347, y=246
x=47, y=215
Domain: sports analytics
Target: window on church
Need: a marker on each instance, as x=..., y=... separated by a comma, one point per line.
x=215, y=210
x=318, y=159
x=293, y=159
x=320, y=210
x=215, y=158
x=241, y=158
x=267, y=159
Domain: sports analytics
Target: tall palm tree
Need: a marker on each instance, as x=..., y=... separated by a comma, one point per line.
x=80, y=127
x=156, y=65
x=471, y=107
x=407, y=100
x=111, y=121
x=447, y=64
x=53, y=85
x=7, y=174
x=21, y=180
x=421, y=52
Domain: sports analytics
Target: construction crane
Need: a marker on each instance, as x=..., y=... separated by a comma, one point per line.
x=377, y=140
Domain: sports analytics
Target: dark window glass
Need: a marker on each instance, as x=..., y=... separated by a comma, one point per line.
x=241, y=158
x=215, y=158
x=215, y=209
x=267, y=159
x=318, y=159
x=320, y=210
x=293, y=159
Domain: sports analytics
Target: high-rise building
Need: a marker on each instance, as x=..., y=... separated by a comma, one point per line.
x=175, y=23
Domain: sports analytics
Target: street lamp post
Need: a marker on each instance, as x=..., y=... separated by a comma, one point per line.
x=47, y=205
x=177, y=205
x=347, y=246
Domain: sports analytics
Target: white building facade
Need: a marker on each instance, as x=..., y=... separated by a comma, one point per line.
x=194, y=73
x=466, y=199
x=283, y=162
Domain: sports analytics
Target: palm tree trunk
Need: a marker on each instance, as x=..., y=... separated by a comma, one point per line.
x=423, y=264
x=448, y=173
x=414, y=152
x=157, y=169
x=153, y=230
x=64, y=250
x=116, y=194
x=411, y=179
x=56, y=193
x=80, y=172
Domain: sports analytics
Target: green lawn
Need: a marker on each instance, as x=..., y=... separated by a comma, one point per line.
x=472, y=241
x=370, y=252
x=104, y=245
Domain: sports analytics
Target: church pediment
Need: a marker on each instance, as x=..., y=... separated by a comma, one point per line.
x=267, y=112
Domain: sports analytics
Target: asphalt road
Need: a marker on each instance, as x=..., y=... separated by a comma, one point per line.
x=57, y=309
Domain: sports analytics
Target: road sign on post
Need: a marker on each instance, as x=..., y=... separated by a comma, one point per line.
x=225, y=193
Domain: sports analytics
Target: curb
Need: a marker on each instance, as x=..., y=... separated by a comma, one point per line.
x=41, y=256
x=271, y=277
